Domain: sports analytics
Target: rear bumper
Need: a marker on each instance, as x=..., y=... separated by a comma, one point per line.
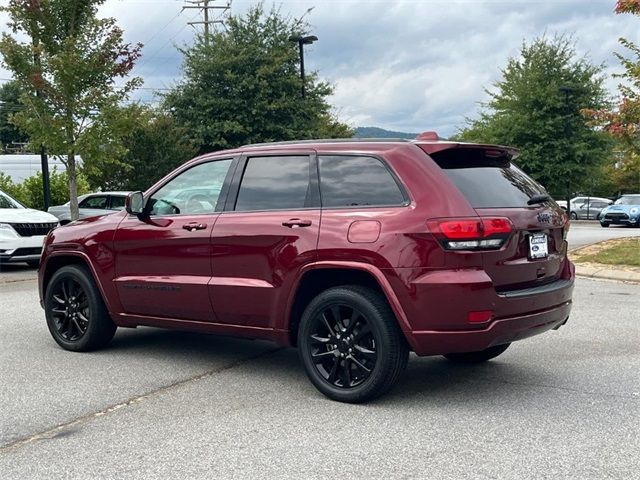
x=437, y=306
x=501, y=331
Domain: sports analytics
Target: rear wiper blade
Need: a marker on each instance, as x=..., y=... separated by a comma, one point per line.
x=539, y=198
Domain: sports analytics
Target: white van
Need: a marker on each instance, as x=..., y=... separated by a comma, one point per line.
x=22, y=166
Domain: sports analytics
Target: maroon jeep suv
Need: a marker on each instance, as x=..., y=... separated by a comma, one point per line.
x=355, y=251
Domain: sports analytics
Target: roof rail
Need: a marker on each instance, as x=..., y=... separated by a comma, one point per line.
x=330, y=140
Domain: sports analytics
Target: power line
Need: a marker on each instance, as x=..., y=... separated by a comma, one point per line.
x=158, y=32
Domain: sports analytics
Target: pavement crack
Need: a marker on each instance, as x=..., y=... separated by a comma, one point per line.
x=17, y=280
x=62, y=429
x=632, y=396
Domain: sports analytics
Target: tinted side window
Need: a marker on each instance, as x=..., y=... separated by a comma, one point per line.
x=94, y=202
x=347, y=181
x=193, y=192
x=274, y=183
x=117, y=202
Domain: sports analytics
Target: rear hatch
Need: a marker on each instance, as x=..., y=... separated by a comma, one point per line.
x=535, y=252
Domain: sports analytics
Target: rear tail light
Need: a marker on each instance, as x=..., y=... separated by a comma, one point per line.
x=477, y=233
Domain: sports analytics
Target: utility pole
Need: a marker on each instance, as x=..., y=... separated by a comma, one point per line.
x=213, y=13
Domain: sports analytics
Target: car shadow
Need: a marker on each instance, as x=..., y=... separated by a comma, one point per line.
x=442, y=381
x=181, y=344
x=434, y=380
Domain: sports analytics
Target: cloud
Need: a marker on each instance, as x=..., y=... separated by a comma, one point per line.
x=407, y=65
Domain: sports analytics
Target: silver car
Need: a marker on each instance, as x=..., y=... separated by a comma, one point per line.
x=589, y=209
x=91, y=205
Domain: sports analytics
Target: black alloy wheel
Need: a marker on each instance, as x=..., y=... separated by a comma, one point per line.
x=343, y=346
x=350, y=344
x=70, y=312
x=77, y=317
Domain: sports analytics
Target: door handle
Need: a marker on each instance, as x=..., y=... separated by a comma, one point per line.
x=296, y=222
x=194, y=226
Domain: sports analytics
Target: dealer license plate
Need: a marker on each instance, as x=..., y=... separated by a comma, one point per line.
x=538, y=246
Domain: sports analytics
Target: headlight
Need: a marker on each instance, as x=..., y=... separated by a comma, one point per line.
x=633, y=211
x=7, y=227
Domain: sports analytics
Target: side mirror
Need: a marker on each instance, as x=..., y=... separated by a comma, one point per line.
x=134, y=203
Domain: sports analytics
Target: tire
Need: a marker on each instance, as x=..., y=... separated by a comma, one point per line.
x=574, y=216
x=33, y=263
x=356, y=352
x=477, y=357
x=73, y=291
x=604, y=225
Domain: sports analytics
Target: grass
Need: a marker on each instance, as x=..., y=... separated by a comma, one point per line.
x=613, y=252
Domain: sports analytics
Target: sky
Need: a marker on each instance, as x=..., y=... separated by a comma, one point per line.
x=407, y=65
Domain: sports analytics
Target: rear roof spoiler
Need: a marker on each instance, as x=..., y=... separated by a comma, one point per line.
x=496, y=150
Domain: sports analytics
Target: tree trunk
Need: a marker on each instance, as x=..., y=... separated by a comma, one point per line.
x=73, y=186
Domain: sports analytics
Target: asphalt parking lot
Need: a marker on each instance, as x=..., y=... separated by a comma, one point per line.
x=583, y=233
x=160, y=404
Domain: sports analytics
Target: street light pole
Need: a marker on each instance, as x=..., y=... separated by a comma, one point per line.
x=567, y=132
x=44, y=159
x=301, y=41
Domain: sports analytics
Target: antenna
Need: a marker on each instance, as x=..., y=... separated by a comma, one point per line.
x=213, y=13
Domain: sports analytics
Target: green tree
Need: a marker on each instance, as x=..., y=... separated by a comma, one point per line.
x=242, y=86
x=7, y=185
x=67, y=71
x=10, y=104
x=623, y=120
x=155, y=146
x=527, y=109
x=32, y=191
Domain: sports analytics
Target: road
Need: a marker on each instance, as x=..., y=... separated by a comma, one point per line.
x=160, y=404
x=586, y=233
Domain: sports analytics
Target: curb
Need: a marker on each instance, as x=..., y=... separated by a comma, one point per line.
x=607, y=274
x=585, y=222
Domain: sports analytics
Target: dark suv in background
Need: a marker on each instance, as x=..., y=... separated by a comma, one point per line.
x=357, y=252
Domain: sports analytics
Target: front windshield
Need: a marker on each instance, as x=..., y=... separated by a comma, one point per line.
x=629, y=200
x=7, y=202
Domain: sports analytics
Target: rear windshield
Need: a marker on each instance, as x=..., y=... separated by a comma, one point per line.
x=487, y=181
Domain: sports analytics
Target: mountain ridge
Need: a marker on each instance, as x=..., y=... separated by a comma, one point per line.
x=377, y=132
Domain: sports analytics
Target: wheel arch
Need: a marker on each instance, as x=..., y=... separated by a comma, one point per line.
x=317, y=277
x=57, y=261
